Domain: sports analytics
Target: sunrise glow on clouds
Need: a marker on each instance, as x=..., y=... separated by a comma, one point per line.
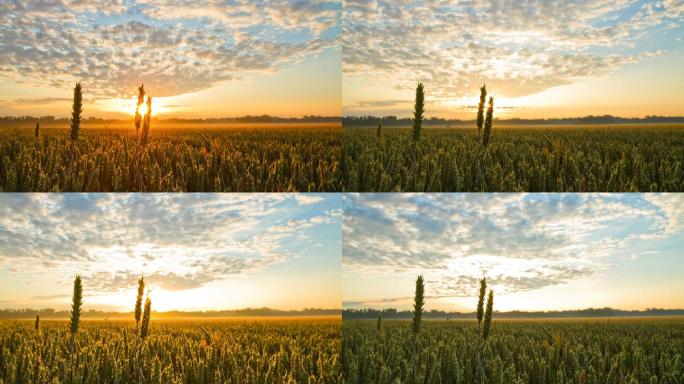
x=197, y=251
x=539, y=59
x=539, y=251
x=200, y=59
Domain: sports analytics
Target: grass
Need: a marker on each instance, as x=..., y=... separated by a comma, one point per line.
x=192, y=158
x=305, y=350
x=541, y=351
x=613, y=158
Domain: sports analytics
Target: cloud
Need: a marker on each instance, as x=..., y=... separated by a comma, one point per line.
x=381, y=103
x=173, y=46
x=307, y=199
x=516, y=49
x=40, y=101
x=671, y=205
x=520, y=242
x=177, y=241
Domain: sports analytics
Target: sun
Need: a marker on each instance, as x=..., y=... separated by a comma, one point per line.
x=143, y=108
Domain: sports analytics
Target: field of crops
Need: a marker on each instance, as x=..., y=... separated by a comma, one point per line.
x=596, y=351
x=538, y=159
x=211, y=159
x=231, y=351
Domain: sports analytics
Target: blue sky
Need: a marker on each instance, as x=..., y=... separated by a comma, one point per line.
x=196, y=251
x=190, y=55
x=539, y=58
x=538, y=251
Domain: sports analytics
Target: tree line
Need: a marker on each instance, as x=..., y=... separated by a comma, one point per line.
x=394, y=121
x=394, y=314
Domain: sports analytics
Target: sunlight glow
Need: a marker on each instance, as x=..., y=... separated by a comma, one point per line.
x=160, y=106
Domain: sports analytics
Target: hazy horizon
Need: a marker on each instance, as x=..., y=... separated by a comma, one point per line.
x=538, y=251
x=194, y=59
x=541, y=59
x=196, y=251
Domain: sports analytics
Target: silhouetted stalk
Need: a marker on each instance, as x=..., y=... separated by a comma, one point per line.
x=77, y=109
x=418, y=111
x=138, y=116
x=418, y=302
x=144, y=329
x=488, y=123
x=480, y=110
x=146, y=121
x=480, y=303
x=76, y=304
x=488, y=315
x=138, y=302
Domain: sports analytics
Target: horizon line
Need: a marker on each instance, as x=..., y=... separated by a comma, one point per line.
x=517, y=310
x=393, y=117
x=254, y=309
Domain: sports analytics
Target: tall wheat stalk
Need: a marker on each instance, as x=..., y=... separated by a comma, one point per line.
x=418, y=303
x=145, y=328
x=138, y=116
x=488, y=315
x=139, y=302
x=480, y=110
x=486, y=137
x=146, y=120
x=76, y=110
x=418, y=112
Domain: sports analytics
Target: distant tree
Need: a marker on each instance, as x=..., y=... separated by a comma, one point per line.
x=37, y=324
x=76, y=304
x=379, y=322
x=146, y=121
x=379, y=131
x=77, y=109
x=480, y=302
x=138, y=116
x=480, y=109
x=138, y=301
x=488, y=315
x=144, y=329
x=36, y=132
x=418, y=112
x=488, y=123
x=418, y=302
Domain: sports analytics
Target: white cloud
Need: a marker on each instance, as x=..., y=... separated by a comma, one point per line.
x=174, y=46
x=520, y=241
x=672, y=207
x=518, y=49
x=307, y=199
x=179, y=241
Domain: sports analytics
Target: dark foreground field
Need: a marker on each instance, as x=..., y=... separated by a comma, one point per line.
x=230, y=351
x=535, y=159
x=598, y=351
x=280, y=158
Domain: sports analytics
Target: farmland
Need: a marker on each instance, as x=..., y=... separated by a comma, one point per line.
x=211, y=158
x=304, y=350
x=599, y=158
x=648, y=350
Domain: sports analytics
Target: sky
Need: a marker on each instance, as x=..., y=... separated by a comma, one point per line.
x=538, y=58
x=196, y=251
x=197, y=59
x=537, y=251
